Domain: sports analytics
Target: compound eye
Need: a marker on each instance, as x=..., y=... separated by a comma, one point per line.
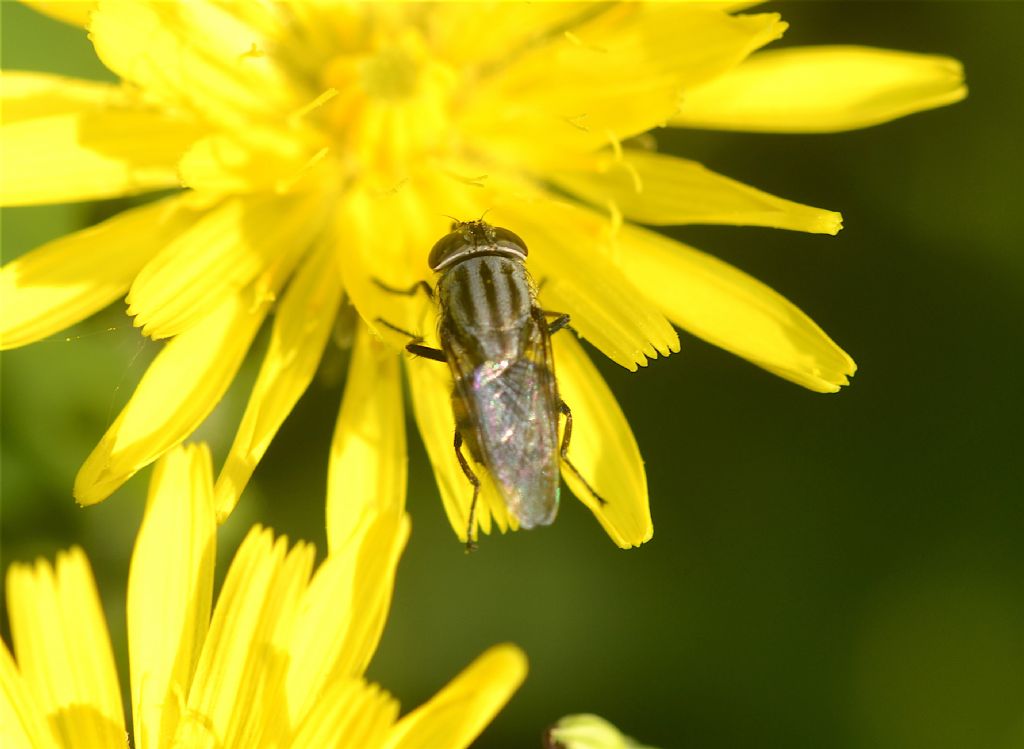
x=445, y=248
x=509, y=240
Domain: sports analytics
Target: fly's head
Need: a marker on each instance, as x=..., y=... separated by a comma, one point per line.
x=474, y=238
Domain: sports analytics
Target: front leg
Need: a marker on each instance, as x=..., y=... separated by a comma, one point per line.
x=426, y=352
x=561, y=321
x=411, y=291
x=415, y=345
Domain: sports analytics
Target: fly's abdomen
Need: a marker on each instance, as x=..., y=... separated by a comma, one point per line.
x=515, y=430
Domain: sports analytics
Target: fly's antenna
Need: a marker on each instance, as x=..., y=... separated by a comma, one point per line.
x=455, y=222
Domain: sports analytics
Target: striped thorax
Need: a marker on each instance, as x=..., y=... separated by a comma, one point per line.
x=487, y=299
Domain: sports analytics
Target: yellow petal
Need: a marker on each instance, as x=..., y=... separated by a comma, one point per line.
x=822, y=90
x=75, y=12
x=378, y=235
x=550, y=102
x=227, y=163
x=201, y=58
x=368, y=462
x=63, y=650
x=348, y=714
x=457, y=714
x=463, y=35
x=302, y=324
x=22, y=724
x=726, y=307
x=66, y=140
x=236, y=695
x=655, y=188
x=223, y=251
x=431, y=386
x=288, y=25
x=28, y=94
x=180, y=388
x=341, y=614
x=602, y=449
x=68, y=279
x=577, y=277
x=733, y=7
x=170, y=585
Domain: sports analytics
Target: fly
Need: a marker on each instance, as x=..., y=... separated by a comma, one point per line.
x=496, y=340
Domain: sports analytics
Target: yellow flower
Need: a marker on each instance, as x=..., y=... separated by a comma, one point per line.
x=278, y=664
x=323, y=145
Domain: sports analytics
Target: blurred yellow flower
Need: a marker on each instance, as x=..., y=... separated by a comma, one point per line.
x=278, y=664
x=324, y=145
x=587, y=731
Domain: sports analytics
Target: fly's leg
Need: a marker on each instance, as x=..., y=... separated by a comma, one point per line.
x=411, y=291
x=397, y=329
x=561, y=321
x=561, y=318
x=564, y=451
x=470, y=544
x=415, y=345
x=427, y=352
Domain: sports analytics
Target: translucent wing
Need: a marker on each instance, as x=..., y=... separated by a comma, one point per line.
x=507, y=412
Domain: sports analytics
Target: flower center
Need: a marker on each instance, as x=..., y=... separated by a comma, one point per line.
x=392, y=106
x=390, y=74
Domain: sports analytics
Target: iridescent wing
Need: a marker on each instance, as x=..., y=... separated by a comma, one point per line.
x=511, y=414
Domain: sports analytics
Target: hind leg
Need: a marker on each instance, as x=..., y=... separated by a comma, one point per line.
x=475, y=481
x=564, y=452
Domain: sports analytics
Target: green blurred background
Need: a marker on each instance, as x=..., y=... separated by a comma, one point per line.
x=827, y=570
